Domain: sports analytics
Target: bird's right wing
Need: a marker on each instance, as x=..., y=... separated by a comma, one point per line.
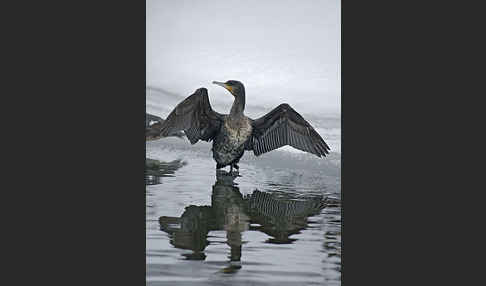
x=153, y=125
x=195, y=116
x=150, y=118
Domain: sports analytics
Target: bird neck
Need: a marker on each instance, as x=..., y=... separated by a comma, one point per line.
x=238, y=105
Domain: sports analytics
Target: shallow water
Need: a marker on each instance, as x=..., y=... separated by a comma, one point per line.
x=278, y=223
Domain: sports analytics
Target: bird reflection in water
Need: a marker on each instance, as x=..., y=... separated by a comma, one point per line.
x=230, y=211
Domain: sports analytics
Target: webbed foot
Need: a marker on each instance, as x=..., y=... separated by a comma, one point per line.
x=236, y=172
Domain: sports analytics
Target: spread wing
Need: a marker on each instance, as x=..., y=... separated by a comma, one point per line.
x=152, y=132
x=284, y=126
x=195, y=116
x=153, y=125
x=149, y=118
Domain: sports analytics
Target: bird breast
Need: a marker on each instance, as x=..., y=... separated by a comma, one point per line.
x=238, y=131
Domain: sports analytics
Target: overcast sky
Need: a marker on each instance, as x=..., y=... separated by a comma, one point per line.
x=282, y=51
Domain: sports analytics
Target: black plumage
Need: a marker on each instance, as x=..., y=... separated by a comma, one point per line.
x=195, y=116
x=284, y=126
x=234, y=133
x=153, y=124
x=151, y=119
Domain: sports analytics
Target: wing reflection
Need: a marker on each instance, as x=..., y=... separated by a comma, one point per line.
x=190, y=230
x=278, y=217
x=155, y=169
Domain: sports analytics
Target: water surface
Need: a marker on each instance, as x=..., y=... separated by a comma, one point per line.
x=278, y=223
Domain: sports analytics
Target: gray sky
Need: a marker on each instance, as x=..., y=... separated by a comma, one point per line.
x=282, y=51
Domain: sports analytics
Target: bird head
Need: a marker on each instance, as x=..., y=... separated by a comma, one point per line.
x=233, y=86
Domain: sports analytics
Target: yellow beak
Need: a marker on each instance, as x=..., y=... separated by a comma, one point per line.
x=229, y=88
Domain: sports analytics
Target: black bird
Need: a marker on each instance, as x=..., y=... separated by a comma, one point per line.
x=234, y=133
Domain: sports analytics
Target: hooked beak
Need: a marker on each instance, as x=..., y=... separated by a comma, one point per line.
x=229, y=88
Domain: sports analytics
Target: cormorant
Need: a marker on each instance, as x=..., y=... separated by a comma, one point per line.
x=234, y=133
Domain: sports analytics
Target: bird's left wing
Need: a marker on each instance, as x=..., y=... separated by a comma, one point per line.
x=284, y=126
x=195, y=116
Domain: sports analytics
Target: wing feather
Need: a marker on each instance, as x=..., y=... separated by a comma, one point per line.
x=284, y=126
x=153, y=124
x=195, y=116
x=150, y=117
